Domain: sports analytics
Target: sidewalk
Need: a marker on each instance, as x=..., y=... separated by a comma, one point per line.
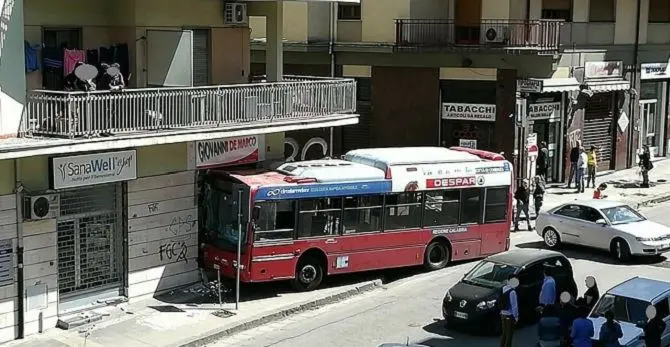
x=623, y=186
x=191, y=317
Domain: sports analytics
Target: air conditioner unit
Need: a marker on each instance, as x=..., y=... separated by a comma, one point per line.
x=42, y=207
x=495, y=34
x=235, y=13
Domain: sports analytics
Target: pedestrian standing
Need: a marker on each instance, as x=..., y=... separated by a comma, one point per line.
x=509, y=311
x=610, y=331
x=548, y=290
x=581, y=170
x=549, y=328
x=567, y=312
x=522, y=196
x=591, y=170
x=582, y=329
x=538, y=194
x=645, y=165
x=592, y=293
x=653, y=329
x=574, y=158
x=542, y=163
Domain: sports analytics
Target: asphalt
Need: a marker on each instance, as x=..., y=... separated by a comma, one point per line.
x=409, y=310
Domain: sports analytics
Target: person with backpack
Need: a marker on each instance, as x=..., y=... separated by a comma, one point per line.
x=610, y=331
x=509, y=311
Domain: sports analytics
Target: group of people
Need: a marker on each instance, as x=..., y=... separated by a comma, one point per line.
x=564, y=322
x=109, y=78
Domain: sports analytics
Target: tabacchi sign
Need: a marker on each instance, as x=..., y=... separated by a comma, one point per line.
x=476, y=112
x=90, y=169
x=230, y=151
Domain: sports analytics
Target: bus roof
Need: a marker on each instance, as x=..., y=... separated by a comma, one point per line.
x=408, y=155
x=332, y=170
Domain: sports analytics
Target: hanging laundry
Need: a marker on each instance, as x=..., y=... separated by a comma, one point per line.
x=52, y=58
x=70, y=58
x=107, y=55
x=122, y=57
x=92, y=57
x=32, y=62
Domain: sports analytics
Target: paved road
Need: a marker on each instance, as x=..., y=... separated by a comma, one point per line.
x=409, y=309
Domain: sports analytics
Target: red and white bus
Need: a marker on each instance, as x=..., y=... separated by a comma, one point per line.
x=376, y=209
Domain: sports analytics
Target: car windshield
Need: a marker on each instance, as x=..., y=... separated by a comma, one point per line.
x=622, y=215
x=625, y=309
x=489, y=274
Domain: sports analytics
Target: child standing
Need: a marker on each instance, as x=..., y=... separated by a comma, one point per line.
x=591, y=169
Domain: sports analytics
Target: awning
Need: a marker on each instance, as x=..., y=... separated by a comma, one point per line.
x=608, y=85
x=553, y=85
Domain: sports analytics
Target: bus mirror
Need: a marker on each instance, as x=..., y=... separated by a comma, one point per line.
x=256, y=213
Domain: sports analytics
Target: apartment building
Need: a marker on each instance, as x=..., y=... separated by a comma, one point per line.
x=98, y=188
x=488, y=73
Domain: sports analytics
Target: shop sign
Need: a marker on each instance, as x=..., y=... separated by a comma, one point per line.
x=529, y=86
x=6, y=262
x=472, y=112
x=90, y=169
x=531, y=145
x=603, y=69
x=467, y=143
x=230, y=151
x=655, y=71
x=454, y=182
x=544, y=110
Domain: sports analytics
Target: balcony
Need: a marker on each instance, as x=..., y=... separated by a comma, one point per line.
x=533, y=35
x=132, y=111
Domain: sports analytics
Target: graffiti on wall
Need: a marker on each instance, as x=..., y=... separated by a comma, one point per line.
x=574, y=136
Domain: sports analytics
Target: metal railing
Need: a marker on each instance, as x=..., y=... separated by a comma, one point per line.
x=542, y=34
x=76, y=114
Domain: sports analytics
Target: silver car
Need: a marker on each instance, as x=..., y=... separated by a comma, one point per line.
x=603, y=224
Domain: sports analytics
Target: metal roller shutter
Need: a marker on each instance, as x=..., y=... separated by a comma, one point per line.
x=201, y=57
x=599, y=127
x=358, y=136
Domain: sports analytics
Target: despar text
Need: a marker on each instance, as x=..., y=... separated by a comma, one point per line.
x=208, y=150
x=451, y=182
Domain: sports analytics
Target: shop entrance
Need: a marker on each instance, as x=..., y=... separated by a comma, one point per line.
x=651, y=127
x=90, y=245
x=547, y=131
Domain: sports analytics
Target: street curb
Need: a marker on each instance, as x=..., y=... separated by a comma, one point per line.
x=656, y=200
x=252, y=323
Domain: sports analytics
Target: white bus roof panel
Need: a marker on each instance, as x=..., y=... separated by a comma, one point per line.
x=332, y=170
x=408, y=156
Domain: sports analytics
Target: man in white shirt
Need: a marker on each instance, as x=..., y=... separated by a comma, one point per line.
x=582, y=165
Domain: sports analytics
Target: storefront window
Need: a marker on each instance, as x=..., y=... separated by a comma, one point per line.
x=649, y=90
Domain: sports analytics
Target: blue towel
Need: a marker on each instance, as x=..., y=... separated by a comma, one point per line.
x=52, y=57
x=32, y=63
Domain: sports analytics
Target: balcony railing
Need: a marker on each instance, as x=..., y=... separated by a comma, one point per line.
x=87, y=114
x=539, y=35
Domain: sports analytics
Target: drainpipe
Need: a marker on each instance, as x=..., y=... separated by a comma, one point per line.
x=19, y=249
x=331, y=50
x=631, y=106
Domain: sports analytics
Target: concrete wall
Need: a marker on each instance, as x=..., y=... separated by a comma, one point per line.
x=8, y=293
x=162, y=234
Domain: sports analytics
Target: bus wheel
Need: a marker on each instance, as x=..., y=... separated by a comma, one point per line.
x=308, y=274
x=437, y=255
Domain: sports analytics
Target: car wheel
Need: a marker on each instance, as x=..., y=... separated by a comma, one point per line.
x=551, y=238
x=620, y=250
x=308, y=275
x=437, y=255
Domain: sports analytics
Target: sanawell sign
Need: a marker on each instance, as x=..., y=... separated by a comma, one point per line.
x=90, y=169
x=476, y=112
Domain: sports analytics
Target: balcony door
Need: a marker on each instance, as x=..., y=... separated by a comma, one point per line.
x=468, y=15
x=55, y=40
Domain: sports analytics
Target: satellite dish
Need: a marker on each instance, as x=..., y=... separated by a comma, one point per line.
x=590, y=282
x=113, y=71
x=86, y=72
x=513, y=282
x=566, y=297
x=650, y=312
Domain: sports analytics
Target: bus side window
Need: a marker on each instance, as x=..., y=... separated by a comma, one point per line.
x=275, y=221
x=471, y=205
x=403, y=211
x=319, y=217
x=497, y=200
x=362, y=214
x=442, y=207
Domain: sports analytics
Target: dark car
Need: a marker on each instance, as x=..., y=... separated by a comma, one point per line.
x=473, y=299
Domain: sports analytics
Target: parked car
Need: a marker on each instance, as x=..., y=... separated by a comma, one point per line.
x=629, y=301
x=608, y=225
x=472, y=301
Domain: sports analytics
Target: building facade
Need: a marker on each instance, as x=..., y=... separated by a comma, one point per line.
x=581, y=66
x=99, y=190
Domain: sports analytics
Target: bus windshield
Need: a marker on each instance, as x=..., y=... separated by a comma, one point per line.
x=221, y=214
